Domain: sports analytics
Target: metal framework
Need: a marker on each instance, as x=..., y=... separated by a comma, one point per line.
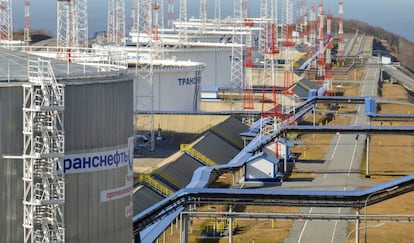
x=116, y=22
x=145, y=133
x=43, y=177
x=271, y=51
x=248, y=82
x=72, y=27
x=182, y=32
x=321, y=38
x=341, y=46
x=171, y=13
x=82, y=23
x=236, y=75
x=26, y=34
x=6, y=20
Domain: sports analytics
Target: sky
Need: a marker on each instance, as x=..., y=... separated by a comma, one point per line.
x=393, y=15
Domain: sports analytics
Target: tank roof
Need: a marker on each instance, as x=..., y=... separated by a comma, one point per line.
x=14, y=66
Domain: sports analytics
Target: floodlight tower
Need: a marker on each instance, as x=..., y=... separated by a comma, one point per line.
x=82, y=23
x=182, y=33
x=288, y=44
x=341, y=45
x=6, y=20
x=217, y=11
x=268, y=12
x=26, y=34
x=203, y=11
x=328, y=55
x=239, y=9
x=321, y=48
x=116, y=21
x=300, y=27
x=248, y=65
x=144, y=85
x=171, y=13
x=312, y=33
x=66, y=29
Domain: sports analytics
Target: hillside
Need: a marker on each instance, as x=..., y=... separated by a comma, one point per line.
x=401, y=48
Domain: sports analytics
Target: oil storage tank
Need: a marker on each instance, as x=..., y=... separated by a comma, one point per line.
x=175, y=85
x=96, y=127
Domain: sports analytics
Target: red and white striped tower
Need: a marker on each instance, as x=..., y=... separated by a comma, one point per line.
x=328, y=55
x=341, y=45
x=321, y=56
x=171, y=13
x=27, y=39
x=6, y=20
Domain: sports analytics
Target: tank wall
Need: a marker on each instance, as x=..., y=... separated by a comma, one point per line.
x=11, y=170
x=218, y=64
x=98, y=122
x=173, y=91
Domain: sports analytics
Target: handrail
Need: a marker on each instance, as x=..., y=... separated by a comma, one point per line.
x=188, y=149
x=154, y=184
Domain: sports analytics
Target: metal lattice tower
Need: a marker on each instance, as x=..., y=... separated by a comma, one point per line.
x=144, y=88
x=301, y=27
x=248, y=82
x=82, y=23
x=72, y=26
x=239, y=9
x=6, y=20
x=134, y=16
x=43, y=151
x=66, y=28
x=26, y=31
x=271, y=52
x=328, y=52
x=217, y=11
x=116, y=21
x=312, y=34
x=182, y=34
x=321, y=38
x=203, y=11
x=288, y=44
x=144, y=17
x=267, y=13
x=341, y=46
x=171, y=13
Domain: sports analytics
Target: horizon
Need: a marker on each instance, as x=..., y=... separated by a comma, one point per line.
x=369, y=11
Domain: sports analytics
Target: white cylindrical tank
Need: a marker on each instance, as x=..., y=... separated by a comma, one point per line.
x=176, y=86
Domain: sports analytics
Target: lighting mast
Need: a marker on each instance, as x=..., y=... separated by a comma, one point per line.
x=341, y=30
x=248, y=82
x=270, y=83
x=328, y=55
x=116, y=21
x=6, y=20
x=171, y=13
x=312, y=34
x=26, y=30
x=288, y=44
x=321, y=48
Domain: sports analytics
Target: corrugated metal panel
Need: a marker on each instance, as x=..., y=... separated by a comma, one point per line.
x=144, y=198
x=216, y=148
x=11, y=170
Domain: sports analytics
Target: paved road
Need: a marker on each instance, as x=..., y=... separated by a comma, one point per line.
x=340, y=171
